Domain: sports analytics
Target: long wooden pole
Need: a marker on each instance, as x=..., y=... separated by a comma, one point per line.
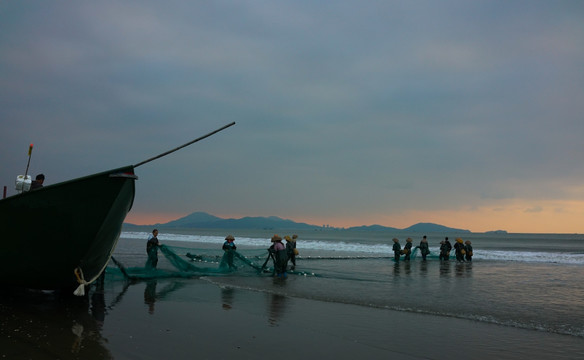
x=185, y=145
x=28, y=163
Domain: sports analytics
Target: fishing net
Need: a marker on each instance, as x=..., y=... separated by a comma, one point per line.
x=183, y=262
x=189, y=262
x=431, y=255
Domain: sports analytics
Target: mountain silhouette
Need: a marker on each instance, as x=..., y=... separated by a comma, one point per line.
x=203, y=220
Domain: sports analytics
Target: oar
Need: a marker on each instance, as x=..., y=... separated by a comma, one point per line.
x=182, y=146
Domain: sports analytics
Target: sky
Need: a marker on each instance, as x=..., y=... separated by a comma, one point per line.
x=467, y=114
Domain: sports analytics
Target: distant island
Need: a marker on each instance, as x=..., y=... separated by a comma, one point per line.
x=203, y=220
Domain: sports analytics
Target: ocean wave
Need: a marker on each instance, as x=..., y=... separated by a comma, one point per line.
x=359, y=250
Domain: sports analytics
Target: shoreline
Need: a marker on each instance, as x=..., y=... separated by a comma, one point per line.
x=182, y=318
x=128, y=227
x=250, y=324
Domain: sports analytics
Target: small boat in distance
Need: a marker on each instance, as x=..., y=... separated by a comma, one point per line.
x=62, y=236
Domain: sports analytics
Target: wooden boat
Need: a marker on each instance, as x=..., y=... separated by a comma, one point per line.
x=63, y=235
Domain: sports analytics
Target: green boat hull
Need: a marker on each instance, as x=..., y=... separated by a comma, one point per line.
x=64, y=234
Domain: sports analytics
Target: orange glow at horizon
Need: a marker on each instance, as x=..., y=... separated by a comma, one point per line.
x=543, y=217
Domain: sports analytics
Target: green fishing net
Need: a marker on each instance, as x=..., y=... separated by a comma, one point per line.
x=189, y=262
x=184, y=262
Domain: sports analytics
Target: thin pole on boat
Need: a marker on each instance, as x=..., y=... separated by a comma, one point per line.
x=28, y=163
x=182, y=146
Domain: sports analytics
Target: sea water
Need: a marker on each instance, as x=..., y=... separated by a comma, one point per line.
x=528, y=281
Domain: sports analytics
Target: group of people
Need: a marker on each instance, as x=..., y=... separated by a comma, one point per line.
x=281, y=254
x=278, y=252
x=462, y=250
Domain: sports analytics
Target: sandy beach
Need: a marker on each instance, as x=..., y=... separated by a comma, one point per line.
x=220, y=323
x=192, y=318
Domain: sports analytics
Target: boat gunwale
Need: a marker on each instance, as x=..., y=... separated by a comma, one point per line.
x=122, y=171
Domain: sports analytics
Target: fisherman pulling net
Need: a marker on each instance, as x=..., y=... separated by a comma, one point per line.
x=203, y=262
x=189, y=264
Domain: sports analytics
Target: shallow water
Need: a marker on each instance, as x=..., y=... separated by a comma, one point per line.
x=526, y=281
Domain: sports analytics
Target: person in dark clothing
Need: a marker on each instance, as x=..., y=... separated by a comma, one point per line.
x=424, y=248
x=291, y=249
x=38, y=182
x=396, y=249
x=408, y=249
x=446, y=250
x=229, y=247
x=280, y=256
x=459, y=250
x=152, y=250
x=468, y=248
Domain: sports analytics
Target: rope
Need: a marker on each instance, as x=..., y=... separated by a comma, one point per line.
x=80, y=291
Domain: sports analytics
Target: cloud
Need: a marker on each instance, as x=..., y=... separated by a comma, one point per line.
x=342, y=110
x=535, y=209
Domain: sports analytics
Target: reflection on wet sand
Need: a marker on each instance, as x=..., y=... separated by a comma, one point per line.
x=227, y=298
x=424, y=268
x=98, y=302
x=39, y=324
x=407, y=267
x=444, y=267
x=51, y=325
x=463, y=269
x=396, y=271
x=276, y=308
x=151, y=295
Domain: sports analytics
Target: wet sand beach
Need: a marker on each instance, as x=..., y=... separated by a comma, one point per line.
x=192, y=318
x=358, y=305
